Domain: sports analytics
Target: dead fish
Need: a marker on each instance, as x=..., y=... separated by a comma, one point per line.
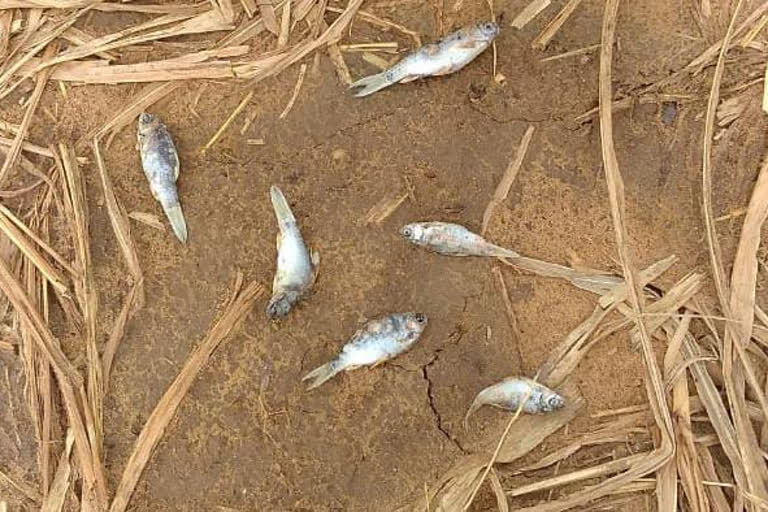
x=508, y=394
x=296, y=267
x=161, y=167
x=377, y=341
x=452, y=240
x=444, y=57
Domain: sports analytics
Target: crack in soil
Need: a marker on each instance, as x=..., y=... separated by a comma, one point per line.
x=431, y=398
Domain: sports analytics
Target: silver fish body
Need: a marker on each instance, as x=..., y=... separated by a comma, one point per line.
x=452, y=240
x=296, y=266
x=160, y=162
x=509, y=393
x=444, y=57
x=378, y=341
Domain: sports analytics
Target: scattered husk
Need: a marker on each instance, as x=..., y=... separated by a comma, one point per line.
x=240, y=305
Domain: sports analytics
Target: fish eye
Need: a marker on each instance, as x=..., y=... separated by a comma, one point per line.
x=407, y=232
x=421, y=318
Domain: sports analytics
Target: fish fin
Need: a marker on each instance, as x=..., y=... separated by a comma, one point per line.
x=314, y=257
x=282, y=210
x=410, y=78
x=322, y=374
x=178, y=224
x=278, y=240
x=176, y=171
x=476, y=404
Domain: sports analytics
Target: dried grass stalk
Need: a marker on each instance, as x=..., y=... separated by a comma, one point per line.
x=381, y=22
x=79, y=37
x=46, y=36
x=131, y=305
x=135, y=299
x=629, y=469
x=150, y=219
x=46, y=4
x=180, y=24
x=572, y=53
x=27, y=491
x=56, y=277
x=337, y=59
x=249, y=6
x=502, y=189
x=85, y=287
x=192, y=66
x=8, y=214
x=70, y=383
x=285, y=26
x=118, y=217
x=165, y=409
x=542, y=40
x=267, y=9
x=54, y=501
x=748, y=478
x=34, y=100
x=6, y=21
x=382, y=210
x=27, y=146
x=530, y=11
x=30, y=358
x=143, y=100
x=296, y=89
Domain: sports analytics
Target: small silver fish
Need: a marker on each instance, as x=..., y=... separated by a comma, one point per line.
x=296, y=267
x=444, y=57
x=452, y=240
x=377, y=341
x=161, y=167
x=508, y=394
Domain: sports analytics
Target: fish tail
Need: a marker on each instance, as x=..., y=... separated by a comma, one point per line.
x=370, y=84
x=282, y=210
x=501, y=252
x=176, y=218
x=323, y=373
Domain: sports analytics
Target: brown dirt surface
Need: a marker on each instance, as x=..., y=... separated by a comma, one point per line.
x=248, y=436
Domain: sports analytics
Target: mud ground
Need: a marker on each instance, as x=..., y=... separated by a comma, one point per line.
x=247, y=436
